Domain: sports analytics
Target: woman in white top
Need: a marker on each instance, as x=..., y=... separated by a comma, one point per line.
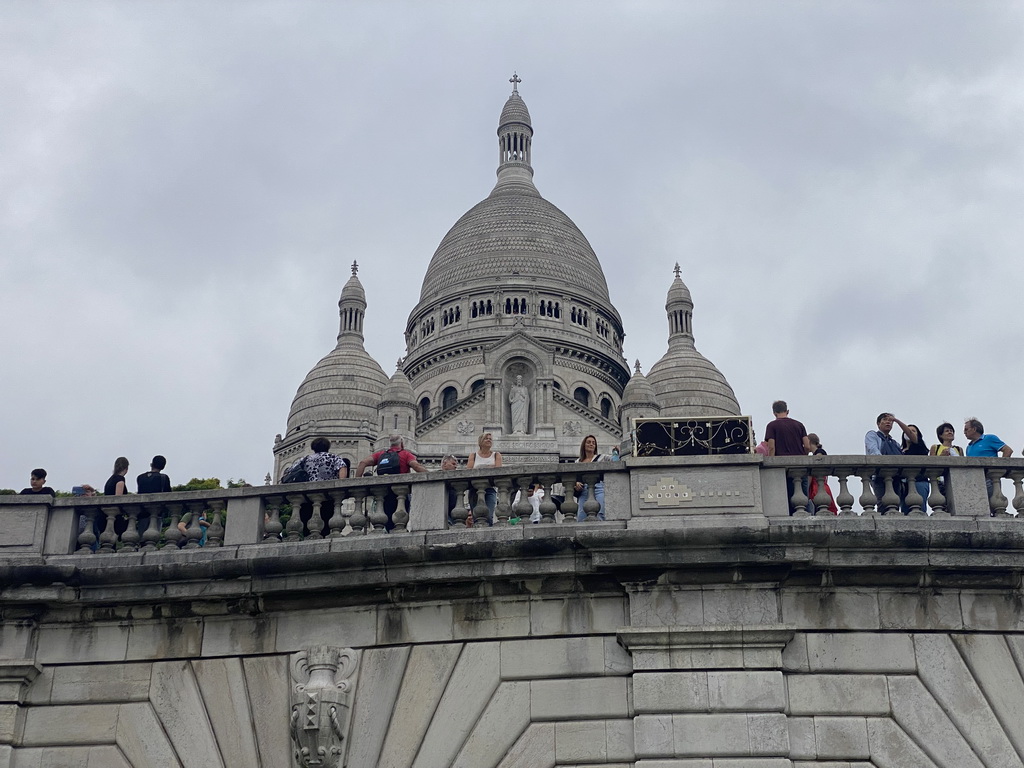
x=588, y=453
x=485, y=457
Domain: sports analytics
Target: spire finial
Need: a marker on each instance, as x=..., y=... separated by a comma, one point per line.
x=355, y=268
x=677, y=270
x=515, y=80
x=638, y=365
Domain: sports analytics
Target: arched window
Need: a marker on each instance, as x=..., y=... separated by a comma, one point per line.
x=490, y=309
x=580, y=395
x=606, y=407
x=424, y=410
x=473, y=311
x=448, y=398
x=558, y=310
x=477, y=385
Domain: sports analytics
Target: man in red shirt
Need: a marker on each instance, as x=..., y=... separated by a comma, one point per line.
x=787, y=437
x=394, y=460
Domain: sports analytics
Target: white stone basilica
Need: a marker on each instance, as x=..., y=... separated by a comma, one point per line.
x=514, y=333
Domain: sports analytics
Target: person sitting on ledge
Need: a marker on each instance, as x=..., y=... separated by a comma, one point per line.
x=37, y=482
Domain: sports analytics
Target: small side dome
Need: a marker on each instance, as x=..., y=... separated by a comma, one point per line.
x=638, y=390
x=398, y=390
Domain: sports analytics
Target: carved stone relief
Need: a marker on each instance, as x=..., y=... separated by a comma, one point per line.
x=322, y=678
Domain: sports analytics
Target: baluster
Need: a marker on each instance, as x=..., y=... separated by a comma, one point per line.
x=358, y=520
x=272, y=521
x=914, y=499
x=523, y=508
x=798, y=501
x=821, y=498
x=591, y=506
x=480, y=511
x=547, y=506
x=400, y=518
x=108, y=538
x=87, y=538
x=337, y=522
x=130, y=537
x=996, y=501
x=1017, y=476
x=890, y=498
x=503, y=510
x=316, y=520
x=936, y=498
x=378, y=517
x=868, y=502
x=173, y=535
x=569, y=506
x=151, y=536
x=293, y=531
x=459, y=513
x=194, y=532
x=844, y=499
x=215, y=533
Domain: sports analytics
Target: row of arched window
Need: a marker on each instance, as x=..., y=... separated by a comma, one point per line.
x=451, y=315
x=602, y=328
x=550, y=308
x=481, y=308
x=449, y=398
x=427, y=327
x=515, y=306
x=580, y=317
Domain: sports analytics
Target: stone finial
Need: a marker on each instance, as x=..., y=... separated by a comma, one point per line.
x=636, y=366
x=322, y=695
x=355, y=268
x=676, y=269
x=268, y=480
x=515, y=80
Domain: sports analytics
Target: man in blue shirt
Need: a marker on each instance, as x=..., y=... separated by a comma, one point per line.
x=984, y=445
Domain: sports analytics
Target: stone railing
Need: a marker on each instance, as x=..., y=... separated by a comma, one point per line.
x=638, y=493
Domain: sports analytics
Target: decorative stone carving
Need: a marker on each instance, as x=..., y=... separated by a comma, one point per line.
x=321, y=705
x=572, y=429
x=465, y=427
x=666, y=492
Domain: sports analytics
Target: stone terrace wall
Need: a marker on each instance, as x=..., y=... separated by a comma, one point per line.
x=732, y=637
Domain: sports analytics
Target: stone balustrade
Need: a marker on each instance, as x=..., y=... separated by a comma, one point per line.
x=639, y=492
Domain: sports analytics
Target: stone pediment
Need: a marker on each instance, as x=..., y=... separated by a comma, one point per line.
x=520, y=344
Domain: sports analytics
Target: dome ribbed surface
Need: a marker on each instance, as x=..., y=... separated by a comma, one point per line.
x=688, y=384
x=353, y=289
x=399, y=390
x=514, y=111
x=638, y=391
x=679, y=292
x=342, y=389
x=514, y=232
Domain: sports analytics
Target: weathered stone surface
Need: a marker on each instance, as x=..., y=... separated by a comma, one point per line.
x=768, y=734
x=469, y=688
x=489, y=618
x=107, y=757
x=381, y=671
x=741, y=606
x=142, y=739
x=920, y=609
x=746, y=691
x=95, y=683
x=162, y=640
x=713, y=734
x=838, y=695
x=576, y=615
x=16, y=639
x=179, y=704
x=82, y=643
x=666, y=607
x=87, y=724
x=655, y=692
x=578, y=742
x=249, y=635
x=348, y=627
x=426, y=674
x=430, y=623
x=860, y=652
x=944, y=673
x=991, y=611
x=831, y=608
x=801, y=738
x=271, y=709
x=560, y=657
x=916, y=712
x=841, y=737
x=579, y=698
x=534, y=749
x=891, y=747
x=503, y=721
x=227, y=701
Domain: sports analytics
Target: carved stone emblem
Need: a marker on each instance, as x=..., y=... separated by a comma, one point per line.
x=321, y=705
x=666, y=492
x=572, y=429
x=465, y=427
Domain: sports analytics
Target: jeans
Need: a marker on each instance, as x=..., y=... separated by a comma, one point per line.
x=490, y=499
x=598, y=496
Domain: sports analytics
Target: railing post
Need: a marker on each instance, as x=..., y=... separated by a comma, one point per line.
x=569, y=508
x=458, y=513
x=316, y=520
x=914, y=499
x=591, y=506
x=821, y=498
x=130, y=538
x=378, y=517
x=337, y=522
x=108, y=538
x=1016, y=476
x=294, y=527
x=868, y=500
x=523, y=508
x=996, y=501
x=400, y=517
x=936, y=497
x=194, y=531
x=480, y=511
x=215, y=531
x=87, y=538
x=844, y=499
x=173, y=535
x=547, y=505
x=798, y=499
x=151, y=536
x=358, y=520
x=503, y=510
x=890, y=499
x=272, y=526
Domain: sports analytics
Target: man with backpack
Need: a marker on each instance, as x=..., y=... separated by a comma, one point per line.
x=394, y=460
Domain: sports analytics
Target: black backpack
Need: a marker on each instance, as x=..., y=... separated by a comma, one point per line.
x=296, y=473
x=389, y=463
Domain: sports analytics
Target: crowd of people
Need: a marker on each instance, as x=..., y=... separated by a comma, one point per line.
x=785, y=436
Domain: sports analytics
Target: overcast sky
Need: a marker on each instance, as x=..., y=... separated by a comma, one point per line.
x=183, y=187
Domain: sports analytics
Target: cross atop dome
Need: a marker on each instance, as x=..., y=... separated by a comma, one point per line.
x=515, y=80
x=638, y=365
x=677, y=270
x=355, y=268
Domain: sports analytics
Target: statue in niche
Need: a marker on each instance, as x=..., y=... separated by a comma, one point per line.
x=519, y=404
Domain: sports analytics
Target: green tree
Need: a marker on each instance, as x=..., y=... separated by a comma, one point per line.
x=197, y=484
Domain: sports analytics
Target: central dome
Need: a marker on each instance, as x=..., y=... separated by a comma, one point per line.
x=514, y=233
